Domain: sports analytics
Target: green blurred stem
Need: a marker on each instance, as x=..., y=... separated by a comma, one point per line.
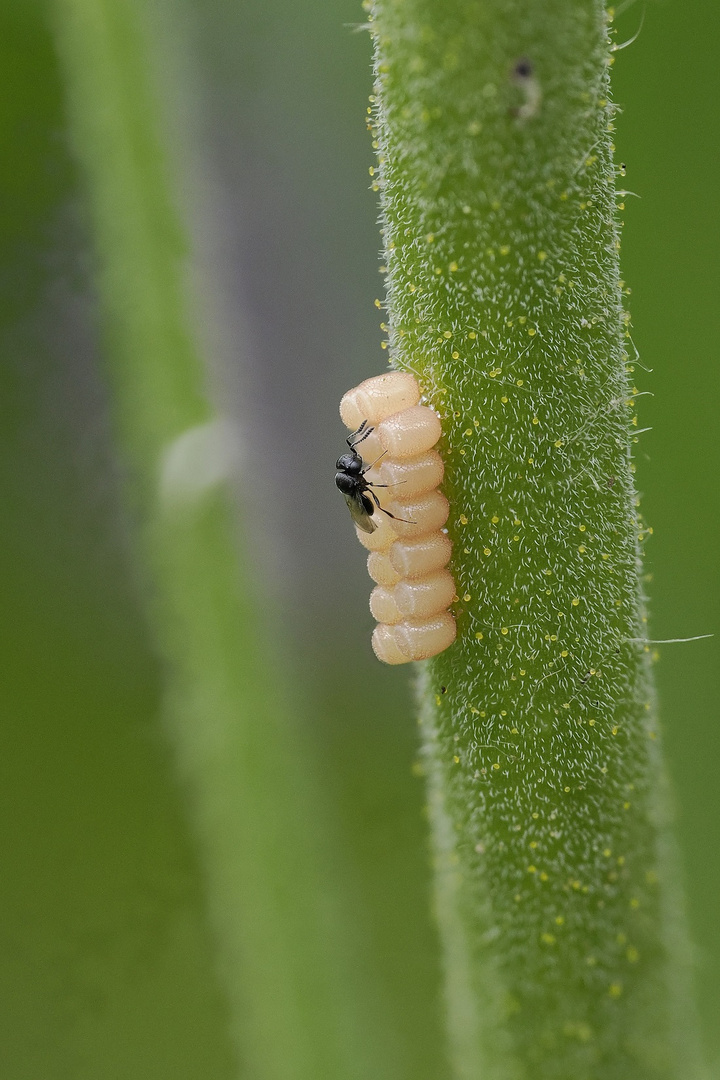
x=555, y=884
x=300, y=1006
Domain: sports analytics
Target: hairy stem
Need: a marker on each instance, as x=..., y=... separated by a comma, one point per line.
x=301, y=1006
x=564, y=954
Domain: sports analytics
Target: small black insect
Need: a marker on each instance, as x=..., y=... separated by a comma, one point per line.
x=350, y=478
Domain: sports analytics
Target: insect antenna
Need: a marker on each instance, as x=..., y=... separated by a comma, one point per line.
x=374, y=463
x=372, y=466
x=363, y=431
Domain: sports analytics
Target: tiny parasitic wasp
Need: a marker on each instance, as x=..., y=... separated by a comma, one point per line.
x=350, y=479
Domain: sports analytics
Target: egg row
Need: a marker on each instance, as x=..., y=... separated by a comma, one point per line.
x=408, y=552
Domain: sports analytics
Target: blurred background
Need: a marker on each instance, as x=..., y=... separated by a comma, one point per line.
x=107, y=960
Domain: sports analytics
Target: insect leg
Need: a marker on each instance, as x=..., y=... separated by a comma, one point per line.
x=387, y=512
x=372, y=466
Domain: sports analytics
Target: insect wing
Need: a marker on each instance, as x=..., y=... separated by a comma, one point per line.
x=359, y=514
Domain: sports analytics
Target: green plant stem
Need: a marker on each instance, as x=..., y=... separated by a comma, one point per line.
x=555, y=884
x=301, y=1007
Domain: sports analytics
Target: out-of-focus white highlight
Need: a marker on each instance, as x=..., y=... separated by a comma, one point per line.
x=197, y=461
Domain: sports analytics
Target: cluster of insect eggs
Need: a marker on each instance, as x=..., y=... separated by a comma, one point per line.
x=399, y=515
